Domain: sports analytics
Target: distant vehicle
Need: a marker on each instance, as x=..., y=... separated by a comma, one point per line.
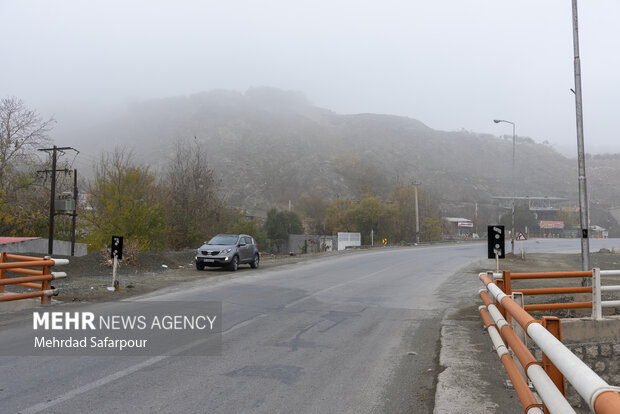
x=228, y=250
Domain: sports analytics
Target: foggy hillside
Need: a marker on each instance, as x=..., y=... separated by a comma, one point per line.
x=269, y=146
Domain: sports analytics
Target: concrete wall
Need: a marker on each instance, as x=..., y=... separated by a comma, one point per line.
x=584, y=330
x=597, y=343
x=349, y=239
x=313, y=243
x=39, y=246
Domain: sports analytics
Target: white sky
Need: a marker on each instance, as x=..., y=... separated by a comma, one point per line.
x=451, y=64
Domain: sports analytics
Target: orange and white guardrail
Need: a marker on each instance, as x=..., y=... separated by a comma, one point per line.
x=505, y=279
x=600, y=396
x=37, y=279
x=597, y=303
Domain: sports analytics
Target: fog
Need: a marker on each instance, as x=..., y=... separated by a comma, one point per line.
x=450, y=64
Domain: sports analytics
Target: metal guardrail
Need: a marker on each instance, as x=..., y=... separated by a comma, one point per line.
x=597, y=303
x=508, y=277
x=504, y=281
x=24, y=265
x=600, y=396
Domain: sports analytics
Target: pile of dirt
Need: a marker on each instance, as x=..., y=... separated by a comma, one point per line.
x=90, y=277
x=95, y=264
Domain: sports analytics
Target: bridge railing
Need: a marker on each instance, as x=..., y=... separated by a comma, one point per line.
x=504, y=281
x=600, y=396
x=597, y=288
x=40, y=280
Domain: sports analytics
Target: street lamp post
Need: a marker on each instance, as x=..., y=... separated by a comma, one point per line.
x=514, y=183
x=584, y=215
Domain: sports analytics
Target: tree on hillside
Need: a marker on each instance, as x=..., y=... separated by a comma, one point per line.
x=124, y=201
x=403, y=197
x=570, y=217
x=194, y=208
x=253, y=228
x=23, y=206
x=340, y=216
x=430, y=228
x=393, y=219
x=280, y=224
x=363, y=176
x=372, y=215
x=523, y=219
x=369, y=214
x=22, y=131
x=313, y=207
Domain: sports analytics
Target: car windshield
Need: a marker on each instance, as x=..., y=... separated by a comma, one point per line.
x=223, y=240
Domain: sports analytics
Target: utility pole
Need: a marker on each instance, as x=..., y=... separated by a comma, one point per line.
x=584, y=215
x=54, y=151
x=74, y=215
x=417, y=212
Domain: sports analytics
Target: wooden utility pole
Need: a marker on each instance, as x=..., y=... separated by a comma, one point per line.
x=54, y=151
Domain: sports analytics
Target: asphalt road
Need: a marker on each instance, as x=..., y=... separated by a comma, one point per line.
x=356, y=333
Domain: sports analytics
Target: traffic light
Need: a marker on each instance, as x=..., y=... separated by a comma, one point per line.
x=117, y=247
x=496, y=239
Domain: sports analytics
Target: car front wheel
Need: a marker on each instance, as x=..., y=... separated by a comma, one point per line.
x=254, y=263
x=234, y=265
x=200, y=266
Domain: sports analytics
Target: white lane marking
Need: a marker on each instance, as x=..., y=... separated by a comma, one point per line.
x=37, y=408
x=327, y=289
x=88, y=387
x=130, y=370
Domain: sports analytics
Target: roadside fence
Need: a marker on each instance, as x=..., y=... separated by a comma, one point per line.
x=40, y=280
x=502, y=304
x=504, y=281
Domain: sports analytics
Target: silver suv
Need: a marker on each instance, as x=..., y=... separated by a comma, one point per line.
x=228, y=250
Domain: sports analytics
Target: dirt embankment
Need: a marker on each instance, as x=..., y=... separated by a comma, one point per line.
x=90, y=276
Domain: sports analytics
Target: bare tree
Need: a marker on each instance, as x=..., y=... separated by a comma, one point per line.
x=195, y=206
x=22, y=130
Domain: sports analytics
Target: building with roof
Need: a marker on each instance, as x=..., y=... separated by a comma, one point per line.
x=456, y=227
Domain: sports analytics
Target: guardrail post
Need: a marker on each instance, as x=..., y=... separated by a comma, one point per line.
x=2, y=271
x=507, y=282
x=500, y=284
x=597, y=305
x=553, y=325
x=45, y=285
x=518, y=297
x=507, y=288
